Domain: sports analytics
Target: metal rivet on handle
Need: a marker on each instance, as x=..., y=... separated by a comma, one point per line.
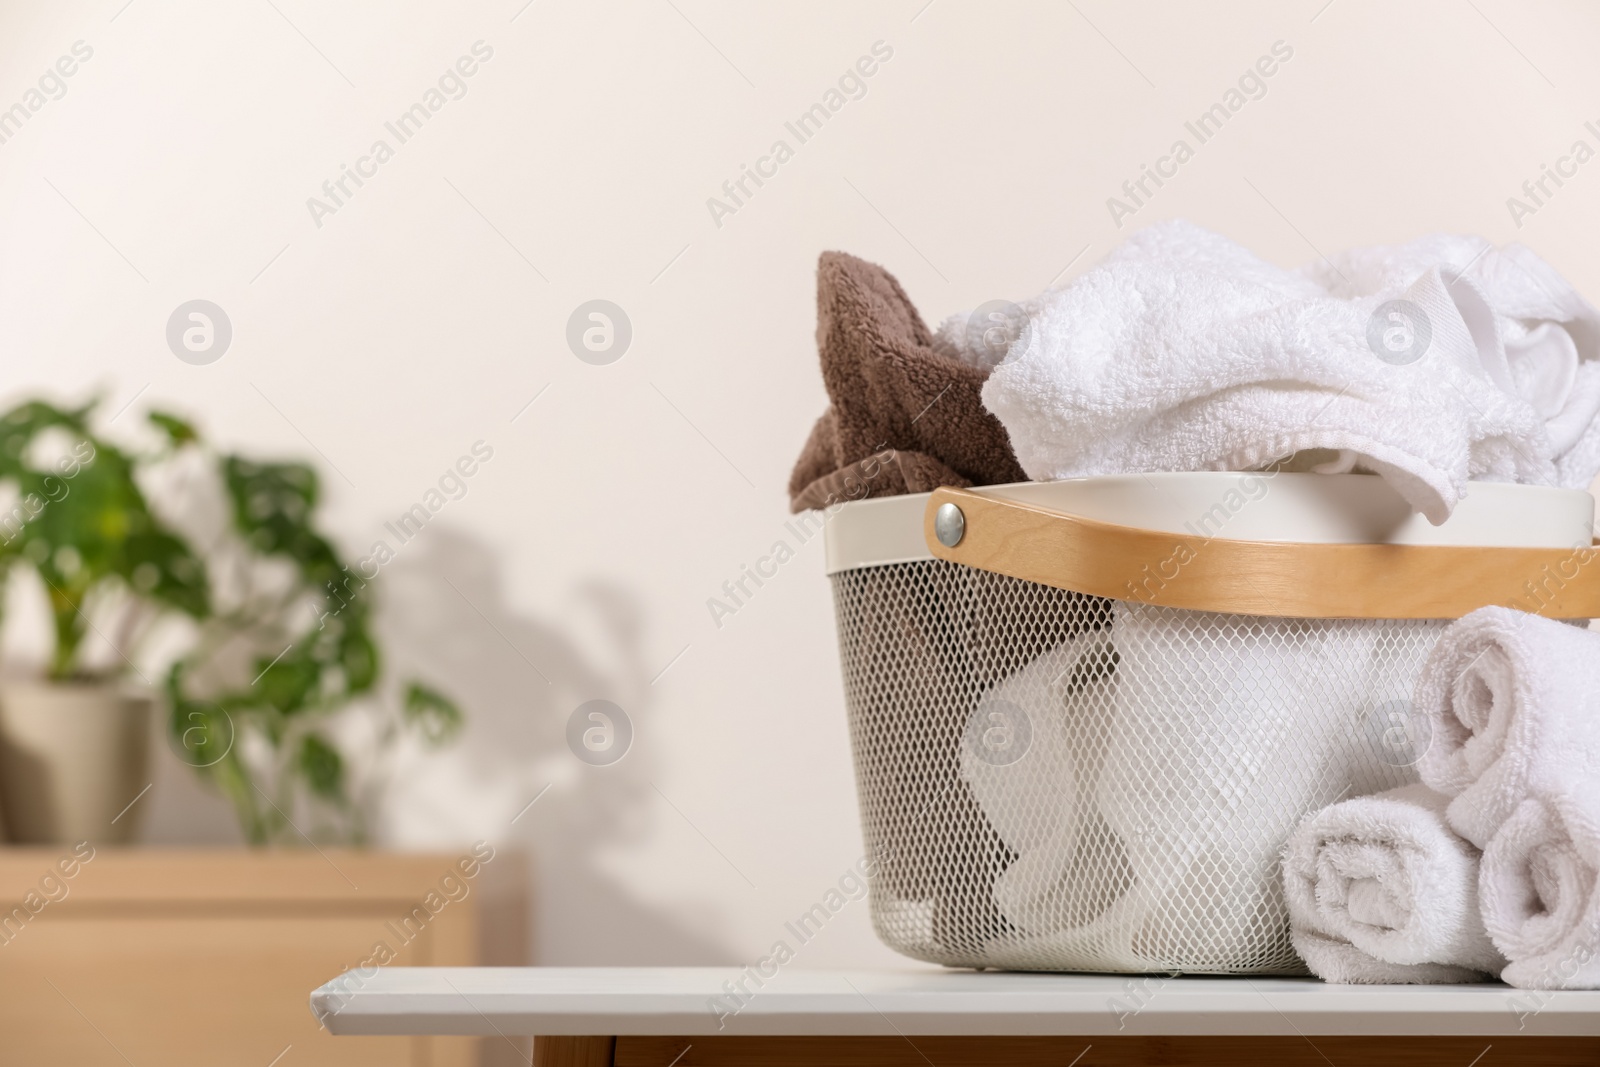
x=949, y=525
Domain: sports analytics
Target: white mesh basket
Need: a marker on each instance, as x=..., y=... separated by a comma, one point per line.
x=1076, y=750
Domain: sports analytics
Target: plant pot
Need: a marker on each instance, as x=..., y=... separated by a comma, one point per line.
x=73, y=758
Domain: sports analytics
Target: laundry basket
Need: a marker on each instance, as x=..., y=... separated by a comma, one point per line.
x=1085, y=715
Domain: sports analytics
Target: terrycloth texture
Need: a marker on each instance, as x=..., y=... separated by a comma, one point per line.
x=1225, y=731
x=904, y=418
x=1334, y=960
x=1547, y=348
x=1146, y=818
x=1183, y=351
x=1031, y=756
x=1381, y=890
x=1513, y=705
x=1027, y=751
x=1539, y=889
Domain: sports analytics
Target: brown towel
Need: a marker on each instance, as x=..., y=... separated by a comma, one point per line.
x=904, y=417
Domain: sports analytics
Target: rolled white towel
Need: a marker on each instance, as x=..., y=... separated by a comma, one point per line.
x=1541, y=901
x=1513, y=705
x=1381, y=891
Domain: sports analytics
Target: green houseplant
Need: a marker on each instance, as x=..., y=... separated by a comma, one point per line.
x=307, y=639
x=280, y=653
x=73, y=750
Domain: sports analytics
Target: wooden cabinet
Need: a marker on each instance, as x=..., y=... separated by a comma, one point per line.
x=100, y=966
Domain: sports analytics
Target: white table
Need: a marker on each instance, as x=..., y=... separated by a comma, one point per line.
x=638, y=1016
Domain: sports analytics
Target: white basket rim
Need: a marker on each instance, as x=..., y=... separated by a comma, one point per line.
x=1246, y=506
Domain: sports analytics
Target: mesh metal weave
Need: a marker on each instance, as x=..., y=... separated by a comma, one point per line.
x=1051, y=781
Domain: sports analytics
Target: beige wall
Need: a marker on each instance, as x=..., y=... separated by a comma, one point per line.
x=432, y=306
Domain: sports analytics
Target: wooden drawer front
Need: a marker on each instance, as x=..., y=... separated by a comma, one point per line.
x=93, y=990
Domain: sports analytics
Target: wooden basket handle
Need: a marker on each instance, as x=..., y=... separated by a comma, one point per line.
x=1286, y=579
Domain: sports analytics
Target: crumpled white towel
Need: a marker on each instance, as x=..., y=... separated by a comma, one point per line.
x=1152, y=804
x=1380, y=890
x=1183, y=351
x=1548, y=346
x=1021, y=755
x=1541, y=902
x=1039, y=799
x=1227, y=729
x=1512, y=703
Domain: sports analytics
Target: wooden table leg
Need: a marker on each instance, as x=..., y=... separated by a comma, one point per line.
x=574, y=1051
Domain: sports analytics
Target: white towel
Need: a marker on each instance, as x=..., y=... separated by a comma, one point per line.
x=1023, y=751
x=1183, y=351
x=1151, y=805
x=1381, y=890
x=1541, y=901
x=1513, y=706
x=1548, y=346
x=1342, y=963
x=1039, y=798
x=1227, y=730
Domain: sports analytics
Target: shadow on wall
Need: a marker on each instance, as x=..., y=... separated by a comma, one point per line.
x=444, y=616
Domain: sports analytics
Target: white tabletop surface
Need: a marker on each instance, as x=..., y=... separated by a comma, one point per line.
x=681, y=1001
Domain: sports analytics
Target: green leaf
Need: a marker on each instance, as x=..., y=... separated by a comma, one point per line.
x=179, y=431
x=358, y=655
x=323, y=767
x=289, y=684
x=158, y=565
x=83, y=523
x=293, y=698
x=431, y=712
x=272, y=506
